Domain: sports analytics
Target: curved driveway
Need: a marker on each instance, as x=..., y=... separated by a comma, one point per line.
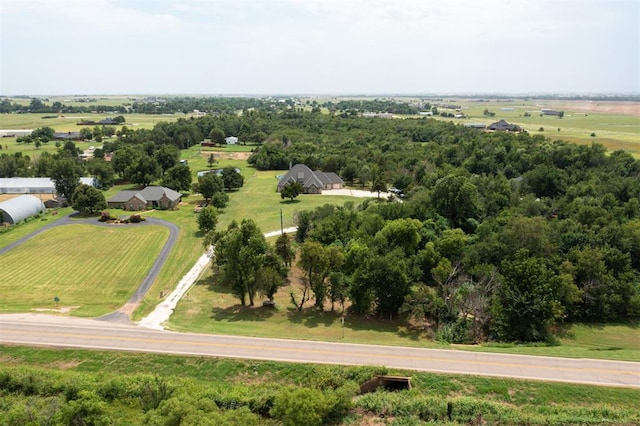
x=121, y=315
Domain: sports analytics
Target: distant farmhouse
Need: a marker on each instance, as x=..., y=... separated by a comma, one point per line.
x=312, y=182
x=231, y=140
x=552, y=112
x=152, y=197
x=503, y=126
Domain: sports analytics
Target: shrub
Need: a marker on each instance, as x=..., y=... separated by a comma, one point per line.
x=136, y=218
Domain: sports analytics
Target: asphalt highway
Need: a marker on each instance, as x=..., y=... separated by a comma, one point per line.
x=56, y=331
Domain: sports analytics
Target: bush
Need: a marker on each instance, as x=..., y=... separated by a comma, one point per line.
x=136, y=218
x=106, y=217
x=306, y=406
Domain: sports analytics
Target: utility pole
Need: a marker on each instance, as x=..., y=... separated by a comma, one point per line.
x=281, y=223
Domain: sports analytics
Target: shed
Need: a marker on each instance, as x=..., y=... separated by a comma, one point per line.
x=20, y=208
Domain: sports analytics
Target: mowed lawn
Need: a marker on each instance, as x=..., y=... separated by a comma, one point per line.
x=92, y=270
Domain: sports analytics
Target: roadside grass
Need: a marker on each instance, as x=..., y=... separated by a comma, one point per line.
x=92, y=270
x=498, y=400
x=211, y=308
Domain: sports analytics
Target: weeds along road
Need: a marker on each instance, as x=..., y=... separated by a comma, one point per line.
x=69, y=332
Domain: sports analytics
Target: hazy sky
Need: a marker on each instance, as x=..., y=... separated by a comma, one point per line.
x=318, y=46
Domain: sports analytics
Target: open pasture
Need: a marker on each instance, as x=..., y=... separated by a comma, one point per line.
x=616, y=125
x=92, y=270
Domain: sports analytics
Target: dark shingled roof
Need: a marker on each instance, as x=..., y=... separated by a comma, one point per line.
x=150, y=193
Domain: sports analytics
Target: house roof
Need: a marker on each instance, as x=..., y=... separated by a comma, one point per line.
x=21, y=207
x=308, y=178
x=41, y=184
x=67, y=135
x=503, y=125
x=154, y=193
x=150, y=193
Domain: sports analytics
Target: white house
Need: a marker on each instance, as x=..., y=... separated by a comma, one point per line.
x=231, y=140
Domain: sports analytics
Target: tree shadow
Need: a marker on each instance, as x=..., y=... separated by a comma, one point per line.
x=242, y=313
x=289, y=201
x=311, y=317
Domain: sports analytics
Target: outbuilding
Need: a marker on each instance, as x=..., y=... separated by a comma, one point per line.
x=19, y=208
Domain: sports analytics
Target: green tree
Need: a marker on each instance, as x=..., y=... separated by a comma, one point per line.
x=178, y=178
x=145, y=170
x=211, y=160
x=87, y=199
x=317, y=262
x=65, y=173
x=102, y=171
x=123, y=160
x=209, y=184
x=231, y=178
x=456, y=198
x=526, y=304
x=284, y=249
x=364, y=175
x=86, y=134
x=167, y=157
x=220, y=200
x=217, y=136
x=378, y=183
x=207, y=219
x=291, y=190
x=240, y=256
x=45, y=134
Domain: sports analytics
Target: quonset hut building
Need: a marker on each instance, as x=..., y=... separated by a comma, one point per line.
x=20, y=208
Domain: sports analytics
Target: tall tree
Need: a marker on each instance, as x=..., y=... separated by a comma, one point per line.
x=167, y=156
x=207, y=219
x=145, y=170
x=65, y=174
x=232, y=178
x=456, y=198
x=178, y=178
x=217, y=136
x=526, y=304
x=240, y=256
x=87, y=199
x=209, y=184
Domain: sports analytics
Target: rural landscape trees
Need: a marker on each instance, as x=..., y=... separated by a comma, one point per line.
x=450, y=255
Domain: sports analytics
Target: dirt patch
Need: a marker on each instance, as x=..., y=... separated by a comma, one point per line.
x=43, y=197
x=226, y=155
x=611, y=107
x=60, y=310
x=65, y=365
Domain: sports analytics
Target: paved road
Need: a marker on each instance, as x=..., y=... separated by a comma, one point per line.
x=43, y=330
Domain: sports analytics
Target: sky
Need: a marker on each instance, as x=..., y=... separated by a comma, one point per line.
x=338, y=47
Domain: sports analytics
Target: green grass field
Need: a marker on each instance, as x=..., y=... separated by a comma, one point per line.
x=92, y=270
x=614, y=130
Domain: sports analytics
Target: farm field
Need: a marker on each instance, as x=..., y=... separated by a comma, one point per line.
x=92, y=270
x=616, y=125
